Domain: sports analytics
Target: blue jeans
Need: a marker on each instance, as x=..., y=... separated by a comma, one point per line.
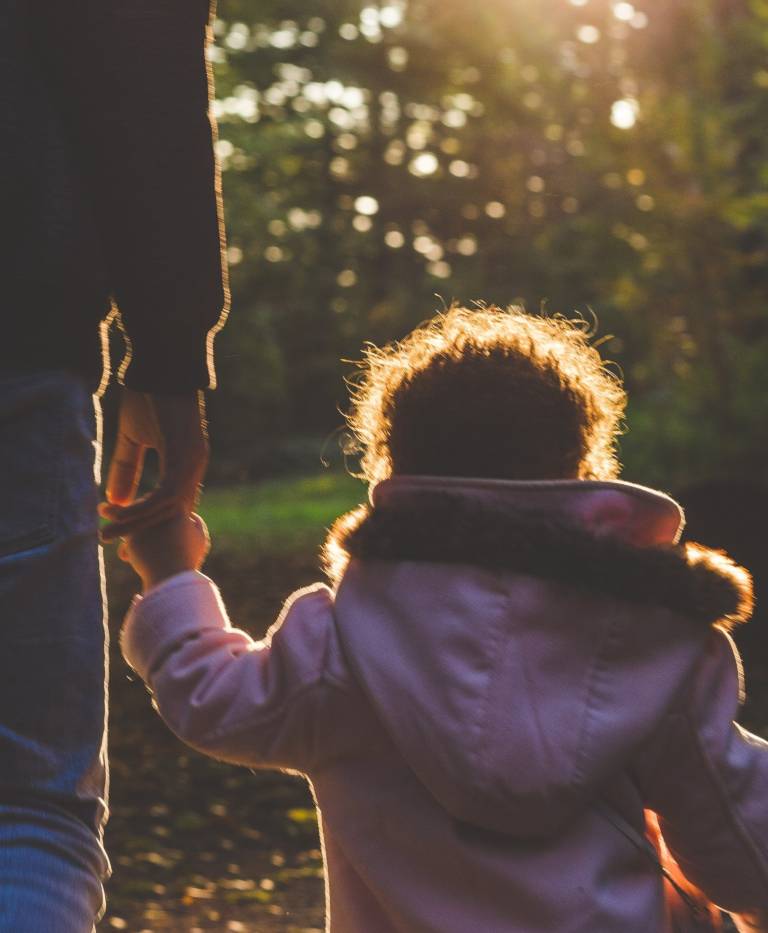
x=53, y=668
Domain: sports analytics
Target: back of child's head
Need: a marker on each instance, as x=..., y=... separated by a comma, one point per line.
x=488, y=393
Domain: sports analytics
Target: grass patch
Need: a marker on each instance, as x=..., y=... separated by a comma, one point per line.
x=281, y=514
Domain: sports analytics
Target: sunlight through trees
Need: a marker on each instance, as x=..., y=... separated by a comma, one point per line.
x=586, y=155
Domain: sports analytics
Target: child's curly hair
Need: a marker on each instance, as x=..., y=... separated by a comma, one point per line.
x=488, y=393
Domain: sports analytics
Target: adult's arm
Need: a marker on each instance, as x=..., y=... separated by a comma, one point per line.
x=135, y=88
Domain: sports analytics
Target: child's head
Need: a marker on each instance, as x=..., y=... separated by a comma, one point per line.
x=489, y=393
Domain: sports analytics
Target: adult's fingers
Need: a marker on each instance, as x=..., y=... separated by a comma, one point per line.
x=112, y=532
x=183, y=467
x=125, y=470
x=151, y=510
x=174, y=426
x=154, y=501
x=184, y=457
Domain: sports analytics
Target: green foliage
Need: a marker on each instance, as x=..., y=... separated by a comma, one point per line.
x=596, y=155
x=279, y=514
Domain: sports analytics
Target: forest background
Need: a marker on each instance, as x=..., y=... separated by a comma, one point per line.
x=586, y=157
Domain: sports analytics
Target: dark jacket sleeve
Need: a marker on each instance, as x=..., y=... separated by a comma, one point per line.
x=136, y=87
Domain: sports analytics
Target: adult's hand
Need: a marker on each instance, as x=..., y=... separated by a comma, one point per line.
x=174, y=426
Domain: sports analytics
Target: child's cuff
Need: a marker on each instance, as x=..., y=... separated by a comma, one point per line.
x=177, y=609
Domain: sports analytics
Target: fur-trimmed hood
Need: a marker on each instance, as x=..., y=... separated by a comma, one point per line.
x=614, y=538
x=521, y=640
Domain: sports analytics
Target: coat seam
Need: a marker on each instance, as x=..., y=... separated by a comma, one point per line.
x=595, y=677
x=485, y=750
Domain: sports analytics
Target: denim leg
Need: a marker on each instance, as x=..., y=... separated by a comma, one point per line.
x=53, y=672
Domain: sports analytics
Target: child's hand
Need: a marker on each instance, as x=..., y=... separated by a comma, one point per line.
x=166, y=549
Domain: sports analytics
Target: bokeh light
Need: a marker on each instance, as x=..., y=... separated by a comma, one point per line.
x=624, y=113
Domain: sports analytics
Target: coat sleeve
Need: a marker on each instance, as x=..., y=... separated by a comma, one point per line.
x=707, y=779
x=134, y=87
x=255, y=703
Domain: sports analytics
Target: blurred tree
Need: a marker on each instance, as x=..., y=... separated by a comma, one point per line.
x=585, y=154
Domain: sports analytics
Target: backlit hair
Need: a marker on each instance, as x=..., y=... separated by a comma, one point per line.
x=488, y=393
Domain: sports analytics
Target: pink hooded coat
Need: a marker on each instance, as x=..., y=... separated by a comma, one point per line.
x=497, y=662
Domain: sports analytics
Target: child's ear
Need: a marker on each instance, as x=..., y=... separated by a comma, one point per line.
x=644, y=522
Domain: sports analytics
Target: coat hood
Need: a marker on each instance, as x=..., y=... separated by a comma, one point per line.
x=519, y=641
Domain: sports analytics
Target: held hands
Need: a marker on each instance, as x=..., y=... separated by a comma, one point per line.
x=173, y=546
x=174, y=426
x=161, y=536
